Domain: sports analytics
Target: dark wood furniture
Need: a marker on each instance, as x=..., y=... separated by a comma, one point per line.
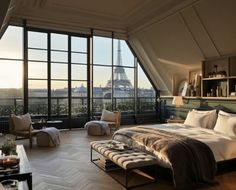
x=24, y=173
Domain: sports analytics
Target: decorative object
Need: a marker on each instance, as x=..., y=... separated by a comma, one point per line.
x=183, y=85
x=177, y=101
x=9, y=147
x=194, y=88
x=9, y=161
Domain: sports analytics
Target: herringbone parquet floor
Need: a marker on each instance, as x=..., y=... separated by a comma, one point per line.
x=68, y=167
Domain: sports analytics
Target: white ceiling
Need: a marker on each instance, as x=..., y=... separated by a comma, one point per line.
x=121, y=16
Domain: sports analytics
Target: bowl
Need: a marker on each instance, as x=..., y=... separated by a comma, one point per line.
x=9, y=161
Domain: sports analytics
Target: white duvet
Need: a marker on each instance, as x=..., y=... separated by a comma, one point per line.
x=222, y=146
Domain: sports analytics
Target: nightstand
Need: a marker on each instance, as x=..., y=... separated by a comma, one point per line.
x=175, y=120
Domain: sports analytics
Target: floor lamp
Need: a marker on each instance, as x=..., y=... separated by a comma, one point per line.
x=177, y=101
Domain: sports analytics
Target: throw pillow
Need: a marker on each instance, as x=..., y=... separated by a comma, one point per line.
x=108, y=116
x=212, y=117
x=196, y=120
x=226, y=124
x=22, y=122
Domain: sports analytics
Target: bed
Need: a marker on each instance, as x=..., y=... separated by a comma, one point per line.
x=205, y=147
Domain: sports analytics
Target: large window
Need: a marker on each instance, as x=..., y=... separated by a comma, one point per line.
x=11, y=63
x=58, y=82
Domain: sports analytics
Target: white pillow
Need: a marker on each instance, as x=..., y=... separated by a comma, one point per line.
x=21, y=123
x=226, y=124
x=108, y=116
x=196, y=120
x=212, y=117
x=204, y=119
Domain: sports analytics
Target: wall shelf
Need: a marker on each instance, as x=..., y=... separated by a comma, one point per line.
x=219, y=78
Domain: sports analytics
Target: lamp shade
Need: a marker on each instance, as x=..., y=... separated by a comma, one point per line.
x=178, y=101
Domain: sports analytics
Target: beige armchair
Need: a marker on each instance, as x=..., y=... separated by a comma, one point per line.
x=21, y=126
x=112, y=118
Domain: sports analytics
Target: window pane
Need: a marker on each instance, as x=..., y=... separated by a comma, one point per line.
x=11, y=43
x=101, y=76
x=101, y=103
x=59, y=71
x=59, y=106
x=146, y=93
x=102, y=50
x=38, y=106
x=79, y=44
x=11, y=74
x=59, y=56
x=101, y=89
x=123, y=82
x=126, y=105
x=59, y=88
x=79, y=72
x=10, y=105
x=37, y=70
x=145, y=88
x=37, y=40
x=37, y=55
x=78, y=58
x=79, y=105
x=38, y=88
x=59, y=42
x=79, y=89
x=122, y=54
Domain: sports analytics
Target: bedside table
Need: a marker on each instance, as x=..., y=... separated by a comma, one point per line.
x=175, y=120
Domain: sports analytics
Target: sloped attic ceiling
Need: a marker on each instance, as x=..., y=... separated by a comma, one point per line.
x=170, y=37
x=177, y=43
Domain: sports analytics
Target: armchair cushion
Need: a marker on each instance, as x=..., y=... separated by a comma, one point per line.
x=22, y=122
x=108, y=116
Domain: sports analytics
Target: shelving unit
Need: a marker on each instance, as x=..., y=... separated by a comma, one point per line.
x=219, y=77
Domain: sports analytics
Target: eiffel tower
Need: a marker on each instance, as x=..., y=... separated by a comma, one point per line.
x=120, y=80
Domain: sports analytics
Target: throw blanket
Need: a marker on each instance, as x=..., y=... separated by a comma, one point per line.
x=53, y=133
x=103, y=124
x=192, y=162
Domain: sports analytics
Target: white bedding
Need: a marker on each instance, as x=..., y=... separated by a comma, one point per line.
x=222, y=146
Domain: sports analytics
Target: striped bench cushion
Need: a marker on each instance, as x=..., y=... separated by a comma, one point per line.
x=126, y=159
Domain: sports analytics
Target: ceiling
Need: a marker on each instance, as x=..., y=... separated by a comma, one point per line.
x=120, y=16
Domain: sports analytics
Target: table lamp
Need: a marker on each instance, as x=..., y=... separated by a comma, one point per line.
x=177, y=101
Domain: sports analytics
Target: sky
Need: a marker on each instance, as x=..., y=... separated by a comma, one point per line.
x=11, y=46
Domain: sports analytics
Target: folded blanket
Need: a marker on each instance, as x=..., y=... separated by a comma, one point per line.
x=192, y=162
x=53, y=133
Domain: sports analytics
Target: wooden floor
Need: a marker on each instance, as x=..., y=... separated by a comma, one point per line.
x=68, y=167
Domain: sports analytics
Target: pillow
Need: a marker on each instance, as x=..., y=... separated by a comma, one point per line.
x=204, y=119
x=226, y=124
x=196, y=120
x=21, y=123
x=108, y=116
x=212, y=117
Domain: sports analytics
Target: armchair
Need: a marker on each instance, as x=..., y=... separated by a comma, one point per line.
x=21, y=126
